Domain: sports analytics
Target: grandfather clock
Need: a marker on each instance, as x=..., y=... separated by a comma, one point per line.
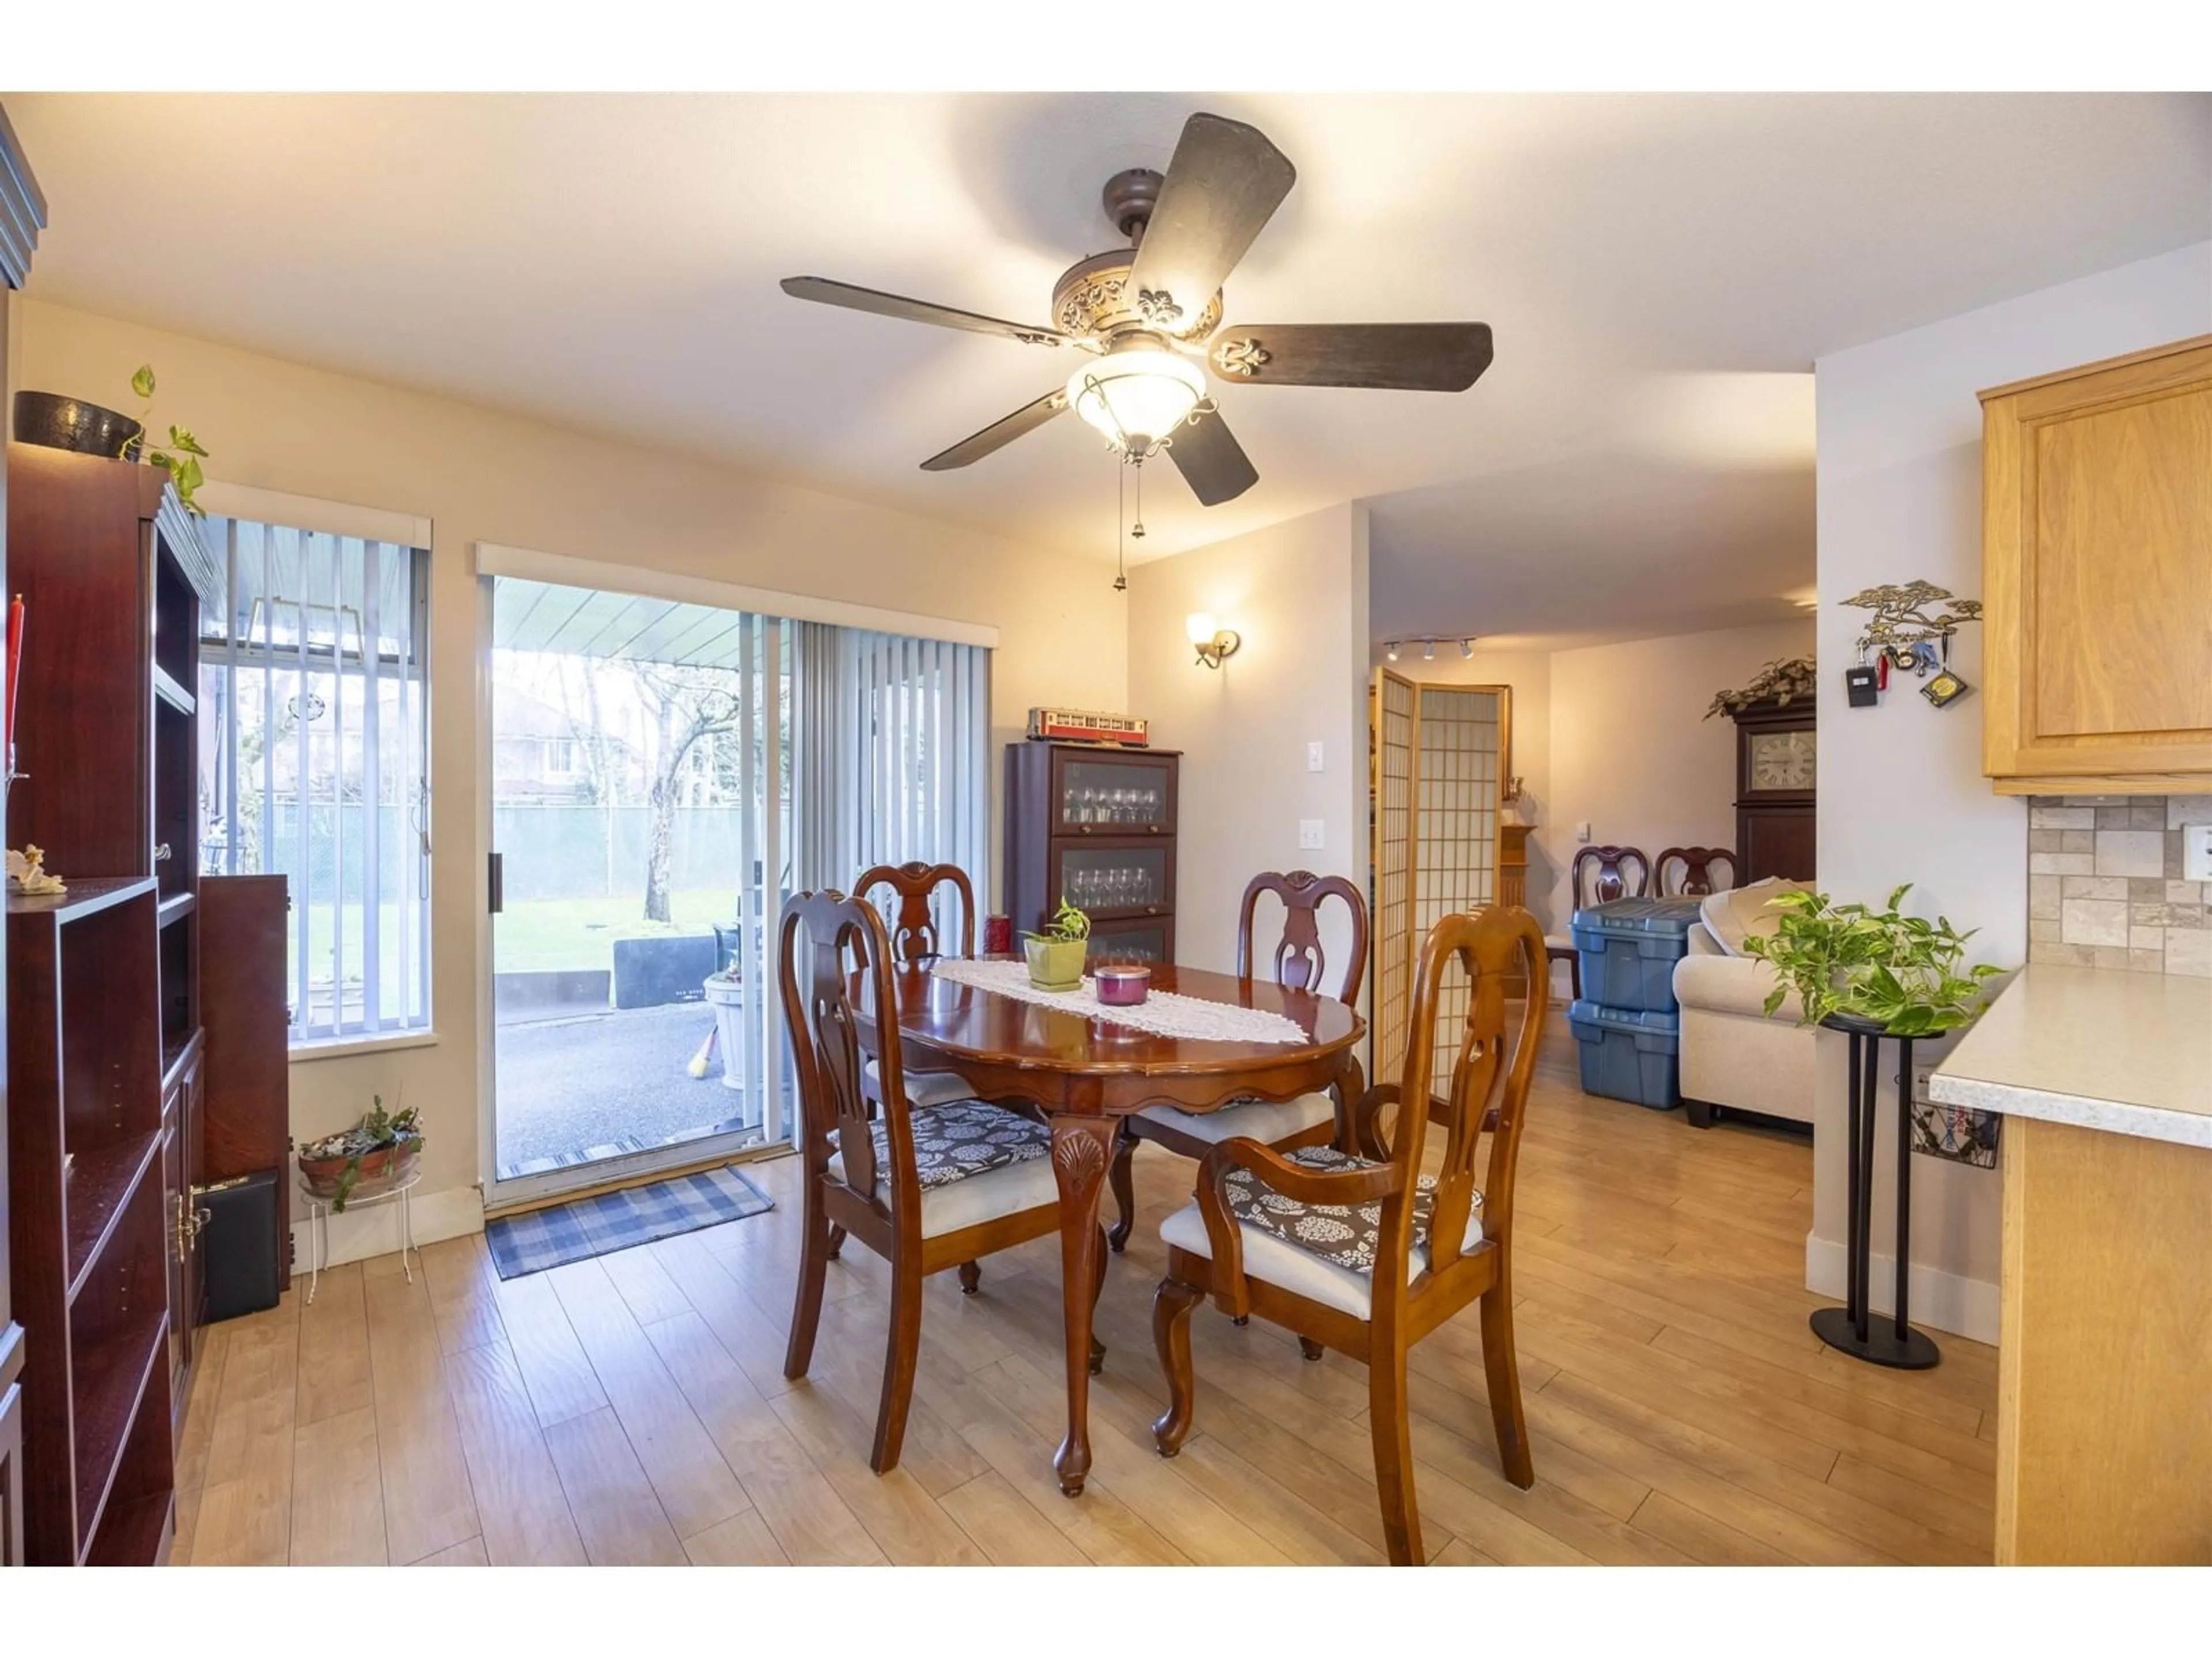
x=1774, y=802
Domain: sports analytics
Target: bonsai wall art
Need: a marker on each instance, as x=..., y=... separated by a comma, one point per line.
x=1906, y=633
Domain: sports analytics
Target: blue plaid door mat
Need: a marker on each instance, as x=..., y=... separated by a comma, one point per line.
x=532, y=1242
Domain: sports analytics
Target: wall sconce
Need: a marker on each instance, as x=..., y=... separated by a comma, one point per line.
x=1213, y=644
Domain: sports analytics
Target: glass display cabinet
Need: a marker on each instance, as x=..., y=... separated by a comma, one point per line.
x=1095, y=826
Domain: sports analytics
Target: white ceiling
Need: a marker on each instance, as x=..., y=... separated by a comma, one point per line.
x=1659, y=270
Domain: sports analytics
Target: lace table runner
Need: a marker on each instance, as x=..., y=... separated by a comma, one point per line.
x=1164, y=1013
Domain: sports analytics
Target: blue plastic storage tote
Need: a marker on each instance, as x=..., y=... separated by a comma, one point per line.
x=1628, y=949
x=1627, y=1054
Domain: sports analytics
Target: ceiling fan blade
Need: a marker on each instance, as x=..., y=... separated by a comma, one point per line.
x=824, y=291
x=1224, y=184
x=1211, y=462
x=998, y=434
x=1392, y=357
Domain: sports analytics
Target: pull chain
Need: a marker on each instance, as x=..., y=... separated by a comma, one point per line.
x=1137, y=530
x=1121, y=524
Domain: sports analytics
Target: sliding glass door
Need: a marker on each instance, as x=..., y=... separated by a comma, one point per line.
x=641, y=828
x=663, y=775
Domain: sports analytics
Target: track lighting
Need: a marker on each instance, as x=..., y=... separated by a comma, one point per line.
x=1390, y=650
x=1428, y=650
x=1467, y=647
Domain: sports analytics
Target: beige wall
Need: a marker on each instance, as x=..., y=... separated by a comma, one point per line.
x=1297, y=594
x=480, y=476
x=1632, y=755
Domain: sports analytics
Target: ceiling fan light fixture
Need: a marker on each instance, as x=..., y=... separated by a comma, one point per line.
x=1136, y=394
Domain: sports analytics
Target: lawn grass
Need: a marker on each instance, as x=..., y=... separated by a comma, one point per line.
x=539, y=935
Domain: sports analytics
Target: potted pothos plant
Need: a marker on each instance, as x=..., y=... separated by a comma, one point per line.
x=382, y=1147
x=1851, y=962
x=1055, y=954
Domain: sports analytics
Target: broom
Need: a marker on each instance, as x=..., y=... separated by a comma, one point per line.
x=705, y=1057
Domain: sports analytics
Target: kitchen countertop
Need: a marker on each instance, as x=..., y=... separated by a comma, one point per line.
x=2129, y=1054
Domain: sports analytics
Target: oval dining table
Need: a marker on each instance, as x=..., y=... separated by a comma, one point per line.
x=1088, y=1072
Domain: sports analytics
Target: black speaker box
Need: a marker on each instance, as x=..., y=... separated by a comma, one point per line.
x=238, y=1267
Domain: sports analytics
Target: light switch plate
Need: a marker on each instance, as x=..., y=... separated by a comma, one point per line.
x=2197, y=852
x=1581, y=832
x=1309, y=835
x=1313, y=757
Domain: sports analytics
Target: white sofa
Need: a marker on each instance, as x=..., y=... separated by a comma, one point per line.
x=1734, y=1057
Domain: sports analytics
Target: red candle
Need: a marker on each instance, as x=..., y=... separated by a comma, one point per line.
x=14, y=672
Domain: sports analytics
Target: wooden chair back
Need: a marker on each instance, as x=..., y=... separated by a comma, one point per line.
x=1299, y=963
x=1613, y=878
x=918, y=929
x=1498, y=948
x=826, y=940
x=1694, y=878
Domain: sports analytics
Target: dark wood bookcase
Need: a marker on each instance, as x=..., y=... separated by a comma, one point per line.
x=1097, y=825
x=91, y=1240
x=113, y=574
x=22, y=217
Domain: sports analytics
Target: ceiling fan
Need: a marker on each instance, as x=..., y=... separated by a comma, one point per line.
x=1146, y=319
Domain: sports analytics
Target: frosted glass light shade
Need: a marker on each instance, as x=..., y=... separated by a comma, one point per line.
x=1138, y=396
x=1200, y=625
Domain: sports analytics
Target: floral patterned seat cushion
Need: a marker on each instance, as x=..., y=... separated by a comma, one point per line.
x=964, y=1138
x=1342, y=1235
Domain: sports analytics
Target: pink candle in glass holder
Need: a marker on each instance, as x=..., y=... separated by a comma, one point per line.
x=1122, y=986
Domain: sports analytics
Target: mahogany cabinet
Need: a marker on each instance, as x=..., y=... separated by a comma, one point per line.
x=2097, y=577
x=23, y=215
x=1094, y=825
x=90, y=1239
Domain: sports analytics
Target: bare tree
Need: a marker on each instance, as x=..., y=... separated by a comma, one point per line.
x=685, y=706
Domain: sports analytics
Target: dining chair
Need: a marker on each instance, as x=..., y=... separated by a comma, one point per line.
x=925, y=1187
x=1695, y=878
x=1299, y=963
x=918, y=932
x=1598, y=875
x=1366, y=1254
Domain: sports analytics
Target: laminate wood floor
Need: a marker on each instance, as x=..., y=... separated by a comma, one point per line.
x=633, y=1409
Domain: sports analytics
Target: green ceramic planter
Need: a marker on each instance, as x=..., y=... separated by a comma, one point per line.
x=1056, y=964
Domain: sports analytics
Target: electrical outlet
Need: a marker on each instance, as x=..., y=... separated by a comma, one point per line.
x=1309, y=835
x=1313, y=757
x=2197, y=852
x=1920, y=1076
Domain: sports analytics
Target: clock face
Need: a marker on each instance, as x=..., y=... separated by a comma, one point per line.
x=1781, y=760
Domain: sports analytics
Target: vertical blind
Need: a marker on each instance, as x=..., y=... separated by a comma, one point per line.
x=315, y=763
x=896, y=733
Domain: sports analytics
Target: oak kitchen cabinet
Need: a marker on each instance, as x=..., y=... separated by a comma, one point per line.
x=2097, y=577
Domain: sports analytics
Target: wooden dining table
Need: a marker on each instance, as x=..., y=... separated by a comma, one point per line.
x=1088, y=1073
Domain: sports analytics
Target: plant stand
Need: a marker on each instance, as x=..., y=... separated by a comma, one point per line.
x=319, y=1222
x=1851, y=1328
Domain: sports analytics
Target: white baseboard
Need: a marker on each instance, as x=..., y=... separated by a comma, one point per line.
x=374, y=1229
x=1948, y=1302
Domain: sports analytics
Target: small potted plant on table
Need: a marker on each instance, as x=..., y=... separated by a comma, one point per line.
x=381, y=1148
x=1055, y=954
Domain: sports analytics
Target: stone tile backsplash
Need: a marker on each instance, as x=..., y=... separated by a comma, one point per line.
x=2104, y=887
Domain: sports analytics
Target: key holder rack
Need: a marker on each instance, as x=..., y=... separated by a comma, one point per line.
x=1907, y=632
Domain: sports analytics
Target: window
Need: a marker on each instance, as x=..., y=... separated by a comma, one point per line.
x=560, y=757
x=314, y=762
